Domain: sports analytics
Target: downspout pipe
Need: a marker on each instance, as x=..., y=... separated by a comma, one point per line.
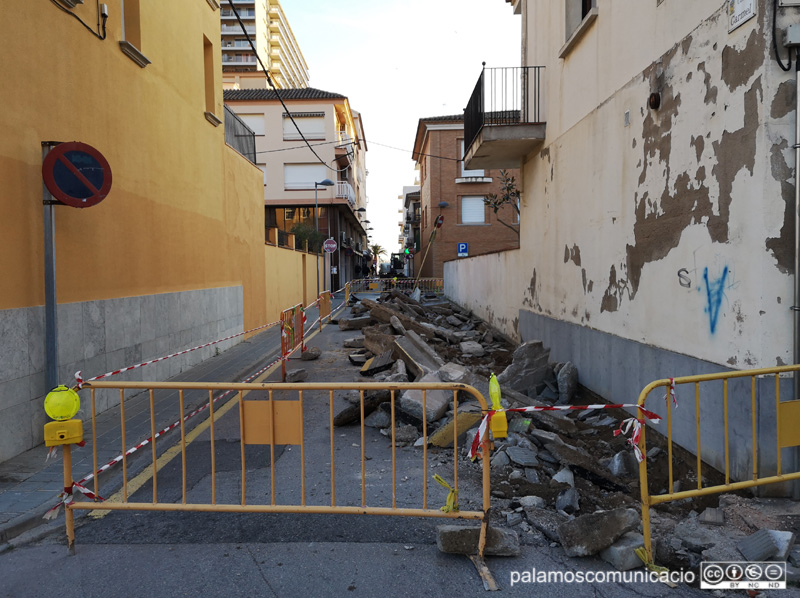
x=796, y=305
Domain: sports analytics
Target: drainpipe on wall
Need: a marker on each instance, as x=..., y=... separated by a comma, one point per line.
x=796, y=305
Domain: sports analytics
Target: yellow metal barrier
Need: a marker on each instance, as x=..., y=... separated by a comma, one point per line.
x=787, y=434
x=274, y=418
x=292, y=333
x=324, y=306
x=379, y=285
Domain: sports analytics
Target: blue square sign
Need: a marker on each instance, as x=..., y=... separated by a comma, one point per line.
x=463, y=250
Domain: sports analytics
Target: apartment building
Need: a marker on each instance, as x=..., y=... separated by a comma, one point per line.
x=450, y=190
x=173, y=257
x=656, y=147
x=267, y=26
x=294, y=172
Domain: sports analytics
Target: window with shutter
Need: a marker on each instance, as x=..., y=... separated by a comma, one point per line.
x=473, y=210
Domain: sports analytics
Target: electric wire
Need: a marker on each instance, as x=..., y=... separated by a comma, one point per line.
x=775, y=38
x=275, y=89
x=82, y=22
x=369, y=142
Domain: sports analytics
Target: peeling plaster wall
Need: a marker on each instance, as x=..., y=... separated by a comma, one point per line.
x=675, y=230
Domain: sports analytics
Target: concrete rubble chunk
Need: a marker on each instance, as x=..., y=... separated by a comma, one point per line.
x=453, y=372
x=693, y=537
x=453, y=321
x=759, y=546
x=378, y=339
x=533, y=501
x=311, y=354
x=443, y=437
x=356, y=323
x=567, y=383
x=357, y=358
x=461, y=539
x=546, y=437
x=383, y=312
x=405, y=434
x=436, y=401
x=297, y=375
x=589, y=534
x=586, y=466
x=500, y=460
x=621, y=553
x=354, y=343
x=522, y=456
x=624, y=465
x=712, y=516
x=397, y=325
x=546, y=521
x=528, y=367
x=565, y=476
x=785, y=542
x=378, y=419
x=418, y=356
x=513, y=519
x=352, y=413
x=472, y=348
x=379, y=363
x=532, y=475
x=568, y=501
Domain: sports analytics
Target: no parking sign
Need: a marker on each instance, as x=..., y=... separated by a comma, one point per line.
x=76, y=174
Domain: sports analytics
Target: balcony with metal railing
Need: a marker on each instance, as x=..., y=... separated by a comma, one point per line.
x=239, y=136
x=505, y=117
x=345, y=190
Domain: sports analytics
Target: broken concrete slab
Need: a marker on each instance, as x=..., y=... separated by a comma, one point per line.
x=378, y=339
x=565, y=476
x=443, y=437
x=417, y=355
x=354, y=343
x=472, y=348
x=528, y=367
x=379, y=363
x=712, y=516
x=586, y=466
x=785, y=542
x=532, y=501
x=589, y=534
x=394, y=321
x=546, y=521
x=694, y=537
x=759, y=546
x=383, y=313
x=352, y=413
x=500, y=460
x=357, y=358
x=462, y=539
x=453, y=372
x=436, y=401
x=378, y=419
x=356, y=323
x=622, y=553
x=522, y=456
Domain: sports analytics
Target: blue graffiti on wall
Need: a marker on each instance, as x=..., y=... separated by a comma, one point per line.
x=715, y=291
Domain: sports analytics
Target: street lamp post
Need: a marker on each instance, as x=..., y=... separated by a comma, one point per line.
x=323, y=183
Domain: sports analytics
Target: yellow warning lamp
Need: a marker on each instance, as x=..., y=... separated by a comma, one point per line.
x=61, y=404
x=499, y=421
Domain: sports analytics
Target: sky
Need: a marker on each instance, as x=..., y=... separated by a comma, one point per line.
x=398, y=61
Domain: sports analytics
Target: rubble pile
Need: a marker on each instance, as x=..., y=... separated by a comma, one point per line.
x=560, y=477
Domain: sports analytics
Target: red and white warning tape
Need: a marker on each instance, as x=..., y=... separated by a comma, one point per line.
x=671, y=393
x=628, y=424
x=80, y=381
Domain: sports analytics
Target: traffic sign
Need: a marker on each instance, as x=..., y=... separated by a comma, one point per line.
x=329, y=245
x=463, y=250
x=76, y=174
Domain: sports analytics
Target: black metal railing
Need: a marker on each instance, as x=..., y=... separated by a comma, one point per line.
x=283, y=238
x=239, y=136
x=504, y=96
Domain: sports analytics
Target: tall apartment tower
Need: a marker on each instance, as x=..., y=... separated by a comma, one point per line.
x=268, y=27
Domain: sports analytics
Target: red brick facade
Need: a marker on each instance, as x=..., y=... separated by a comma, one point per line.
x=437, y=151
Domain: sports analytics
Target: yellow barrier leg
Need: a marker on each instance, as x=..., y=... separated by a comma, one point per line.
x=68, y=514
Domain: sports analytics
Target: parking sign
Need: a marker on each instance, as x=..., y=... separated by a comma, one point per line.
x=463, y=250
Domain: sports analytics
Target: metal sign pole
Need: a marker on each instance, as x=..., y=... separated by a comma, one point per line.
x=50, y=300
